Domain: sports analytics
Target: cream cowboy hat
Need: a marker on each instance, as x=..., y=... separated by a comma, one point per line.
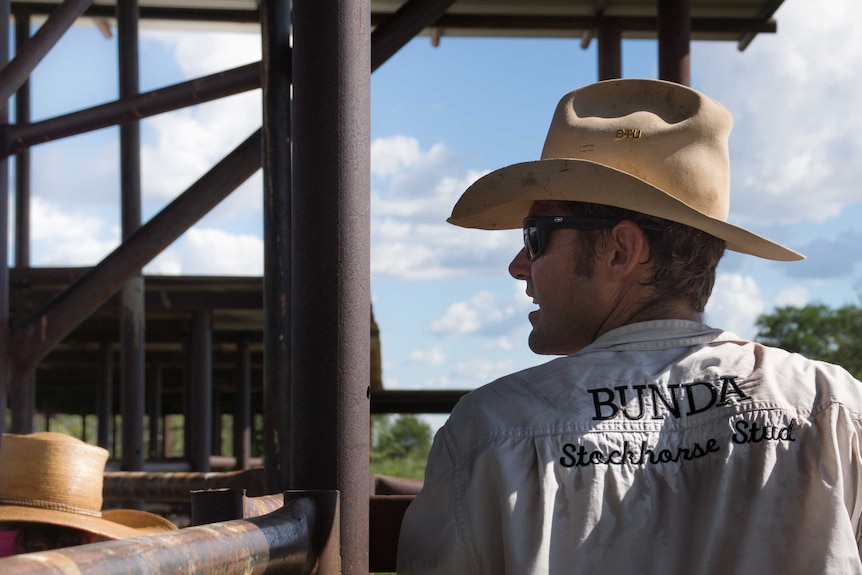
x=650, y=146
x=56, y=479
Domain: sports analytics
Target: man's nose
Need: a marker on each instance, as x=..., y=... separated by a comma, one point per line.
x=519, y=268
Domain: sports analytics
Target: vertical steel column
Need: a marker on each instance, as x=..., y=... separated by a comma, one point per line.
x=4, y=230
x=155, y=411
x=199, y=422
x=22, y=398
x=674, y=39
x=216, y=424
x=610, y=50
x=242, y=406
x=22, y=159
x=105, y=405
x=330, y=335
x=132, y=322
x=276, y=73
x=22, y=404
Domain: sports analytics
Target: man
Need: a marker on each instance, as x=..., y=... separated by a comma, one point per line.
x=656, y=444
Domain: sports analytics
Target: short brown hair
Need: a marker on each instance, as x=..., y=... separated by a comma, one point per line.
x=683, y=258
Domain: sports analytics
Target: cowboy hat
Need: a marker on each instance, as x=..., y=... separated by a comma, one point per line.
x=650, y=146
x=56, y=479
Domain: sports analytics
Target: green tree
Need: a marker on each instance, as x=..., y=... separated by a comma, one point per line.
x=400, y=446
x=818, y=332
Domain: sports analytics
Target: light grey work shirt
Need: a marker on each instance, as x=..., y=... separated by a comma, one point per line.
x=663, y=447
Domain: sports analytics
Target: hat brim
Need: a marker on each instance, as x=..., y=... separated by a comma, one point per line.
x=115, y=524
x=501, y=200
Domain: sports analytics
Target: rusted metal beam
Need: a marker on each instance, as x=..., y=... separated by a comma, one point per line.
x=16, y=72
x=280, y=542
x=242, y=422
x=22, y=159
x=610, y=50
x=640, y=24
x=277, y=173
x=674, y=41
x=396, y=31
x=385, y=515
x=35, y=338
x=200, y=386
x=132, y=313
x=134, y=107
x=176, y=486
x=415, y=401
x=226, y=504
x=330, y=293
x=764, y=17
x=201, y=13
x=5, y=352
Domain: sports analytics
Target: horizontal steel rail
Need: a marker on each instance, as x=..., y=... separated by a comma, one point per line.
x=204, y=89
x=175, y=487
x=279, y=542
x=415, y=400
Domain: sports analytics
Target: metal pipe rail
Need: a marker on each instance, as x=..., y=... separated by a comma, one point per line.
x=176, y=487
x=280, y=542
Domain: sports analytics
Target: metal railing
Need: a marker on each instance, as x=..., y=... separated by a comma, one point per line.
x=295, y=539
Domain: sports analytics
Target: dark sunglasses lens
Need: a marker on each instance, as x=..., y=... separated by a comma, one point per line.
x=531, y=241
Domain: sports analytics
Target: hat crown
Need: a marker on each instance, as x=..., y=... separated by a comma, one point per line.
x=52, y=471
x=666, y=134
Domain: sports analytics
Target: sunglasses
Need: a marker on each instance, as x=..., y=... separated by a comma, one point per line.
x=537, y=228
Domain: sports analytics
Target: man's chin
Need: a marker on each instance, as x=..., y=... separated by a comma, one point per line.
x=541, y=347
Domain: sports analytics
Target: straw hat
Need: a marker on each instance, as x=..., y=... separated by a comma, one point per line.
x=57, y=479
x=650, y=146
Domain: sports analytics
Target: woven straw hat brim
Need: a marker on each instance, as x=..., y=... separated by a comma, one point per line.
x=143, y=523
x=501, y=200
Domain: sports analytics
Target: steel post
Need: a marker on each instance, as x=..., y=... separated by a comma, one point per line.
x=330, y=336
x=674, y=39
x=201, y=387
x=22, y=158
x=242, y=424
x=105, y=405
x=5, y=350
x=132, y=318
x=275, y=33
x=610, y=49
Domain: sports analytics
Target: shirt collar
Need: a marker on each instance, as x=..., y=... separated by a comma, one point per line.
x=659, y=334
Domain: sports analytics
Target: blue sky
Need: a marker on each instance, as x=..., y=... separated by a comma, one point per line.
x=449, y=315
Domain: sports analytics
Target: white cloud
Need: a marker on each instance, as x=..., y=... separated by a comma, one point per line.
x=794, y=96
x=61, y=237
x=459, y=319
x=393, y=154
x=481, y=313
x=501, y=343
x=414, y=195
x=204, y=53
x=735, y=304
x=796, y=296
x=484, y=370
x=207, y=251
x=187, y=143
x=434, y=356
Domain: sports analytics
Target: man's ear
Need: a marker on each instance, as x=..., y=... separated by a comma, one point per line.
x=625, y=250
